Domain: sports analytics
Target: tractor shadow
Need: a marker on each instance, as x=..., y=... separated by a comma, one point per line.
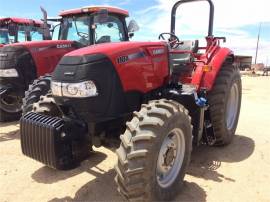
x=205, y=163
x=205, y=160
x=48, y=175
x=103, y=188
x=9, y=131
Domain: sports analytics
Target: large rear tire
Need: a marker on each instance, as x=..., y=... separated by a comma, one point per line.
x=40, y=87
x=225, y=103
x=154, y=152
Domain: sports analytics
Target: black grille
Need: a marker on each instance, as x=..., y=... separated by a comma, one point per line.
x=43, y=139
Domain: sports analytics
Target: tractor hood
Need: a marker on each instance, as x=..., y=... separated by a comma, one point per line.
x=45, y=54
x=116, y=50
x=31, y=60
x=121, y=73
x=146, y=62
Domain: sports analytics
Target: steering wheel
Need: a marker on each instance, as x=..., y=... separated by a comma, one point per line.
x=173, y=40
x=82, y=34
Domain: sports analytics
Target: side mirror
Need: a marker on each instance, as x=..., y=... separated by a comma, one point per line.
x=133, y=26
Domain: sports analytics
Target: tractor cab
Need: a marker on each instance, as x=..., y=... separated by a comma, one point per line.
x=14, y=30
x=95, y=25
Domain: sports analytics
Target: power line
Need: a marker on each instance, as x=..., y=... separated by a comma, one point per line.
x=259, y=33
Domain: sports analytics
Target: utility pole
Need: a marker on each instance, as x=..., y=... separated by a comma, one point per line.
x=259, y=33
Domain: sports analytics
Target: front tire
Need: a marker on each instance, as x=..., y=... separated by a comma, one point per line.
x=40, y=87
x=154, y=152
x=47, y=106
x=225, y=103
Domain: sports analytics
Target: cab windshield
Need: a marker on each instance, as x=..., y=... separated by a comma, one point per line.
x=90, y=29
x=4, y=36
x=111, y=30
x=75, y=29
x=29, y=33
x=13, y=33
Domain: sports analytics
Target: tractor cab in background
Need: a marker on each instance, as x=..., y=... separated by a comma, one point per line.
x=15, y=30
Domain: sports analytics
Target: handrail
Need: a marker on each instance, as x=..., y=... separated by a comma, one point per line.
x=211, y=15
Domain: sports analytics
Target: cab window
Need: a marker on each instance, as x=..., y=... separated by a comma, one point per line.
x=21, y=33
x=112, y=30
x=36, y=34
x=4, y=36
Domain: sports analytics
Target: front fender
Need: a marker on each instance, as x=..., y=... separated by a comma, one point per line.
x=216, y=63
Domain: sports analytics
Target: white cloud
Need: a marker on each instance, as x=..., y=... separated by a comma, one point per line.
x=230, y=16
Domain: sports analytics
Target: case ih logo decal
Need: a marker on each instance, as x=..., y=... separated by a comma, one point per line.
x=58, y=46
x=158, y=51
x=126, y=58
x=63, y=46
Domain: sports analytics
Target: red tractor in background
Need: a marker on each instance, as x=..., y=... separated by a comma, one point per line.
x=14, y=30
x=162, y=96
x=22, y=63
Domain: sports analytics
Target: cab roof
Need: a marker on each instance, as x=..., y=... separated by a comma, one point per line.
x=21, y=21
x=91, y=9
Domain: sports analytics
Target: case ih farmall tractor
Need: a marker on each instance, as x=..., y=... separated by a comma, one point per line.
x=165, y=96
x=22, y=63
x=14, y=30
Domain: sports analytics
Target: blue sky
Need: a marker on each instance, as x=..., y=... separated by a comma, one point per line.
x=238, y=20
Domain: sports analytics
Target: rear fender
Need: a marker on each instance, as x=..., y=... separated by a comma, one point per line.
x=216, y=63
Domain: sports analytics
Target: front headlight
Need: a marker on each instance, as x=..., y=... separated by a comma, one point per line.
x=82, y=89
x=8, y=73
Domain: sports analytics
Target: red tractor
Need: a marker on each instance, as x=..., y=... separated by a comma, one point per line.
x=14, y=30
x=22, y=63
x=162, y=96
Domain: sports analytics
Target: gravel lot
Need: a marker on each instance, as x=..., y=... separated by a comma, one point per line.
x=238, y=172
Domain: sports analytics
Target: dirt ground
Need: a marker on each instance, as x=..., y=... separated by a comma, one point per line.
x=238, y=172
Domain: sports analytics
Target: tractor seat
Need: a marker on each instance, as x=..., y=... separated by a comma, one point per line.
x=179, y=59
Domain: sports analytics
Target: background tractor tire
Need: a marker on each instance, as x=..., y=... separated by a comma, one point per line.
x=225, y=103
x=10, y=108
x=146, y=168
x=38, y=88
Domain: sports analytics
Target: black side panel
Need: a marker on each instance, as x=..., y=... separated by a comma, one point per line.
x=20, y=58
x=111, y=100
